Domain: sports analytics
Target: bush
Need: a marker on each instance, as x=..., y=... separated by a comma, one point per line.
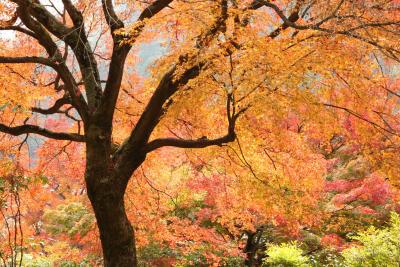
x=73, y=218
x=327, y=257
x=286, y=255
x=379, y=247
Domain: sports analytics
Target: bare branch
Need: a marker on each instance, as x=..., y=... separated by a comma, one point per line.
x=153, y=9
x=75, y=37
x=74, y=13
x=34, y=129
x=22, y=60
x=18, y=29
x=54, y=109
x=111, y=17
x=51, y=47
x=181, y=143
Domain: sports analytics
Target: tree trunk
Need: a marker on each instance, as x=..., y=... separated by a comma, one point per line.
x=252, y=248
x=106, y=191
x=116, y=232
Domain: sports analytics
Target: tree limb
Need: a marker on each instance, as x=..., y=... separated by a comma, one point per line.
x=106, y=110
x=18, y=29
x=153, y=9
x=202, y=142
x=21, y=60
x=74, y=13
x=167, y=87
x=347, y=32
x=111, y=17
x=34, y=129
x=154, y=109
x=54, y=109
x=293, y=17
x=76, y=38
x=46, y=41
x=181, y=143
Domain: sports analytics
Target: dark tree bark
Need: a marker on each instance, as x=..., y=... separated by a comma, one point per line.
x=106, y=194
x=116, y=232
x=252, y=248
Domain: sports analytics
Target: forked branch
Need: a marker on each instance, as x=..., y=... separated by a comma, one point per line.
x=203, y=141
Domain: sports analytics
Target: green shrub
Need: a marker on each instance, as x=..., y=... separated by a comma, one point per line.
x=327, y=257
x=73, y=218
x=286, y=255
x=379, y=247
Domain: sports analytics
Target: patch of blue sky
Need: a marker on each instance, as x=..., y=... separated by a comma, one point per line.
x=148, y=54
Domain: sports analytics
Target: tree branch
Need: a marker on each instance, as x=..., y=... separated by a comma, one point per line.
x=18, y=29
x=347, y=32
x=154, y=109
x=167, y=87
x=22, y=60
x=153, y=9
x=293, y=17
x=54, y=109
x=74, y=13
x=111, y=17
x=76, y=38
x=46, y=41
x=202, y=142
x=147, y=13
x=181, y=143
x=34, y=129
x=119, y=54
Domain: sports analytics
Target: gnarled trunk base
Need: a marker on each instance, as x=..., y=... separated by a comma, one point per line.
x=116, y=232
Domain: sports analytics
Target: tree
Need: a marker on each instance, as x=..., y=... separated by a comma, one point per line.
x=222, y=56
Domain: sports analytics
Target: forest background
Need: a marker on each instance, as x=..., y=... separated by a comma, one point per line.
x=199, y=133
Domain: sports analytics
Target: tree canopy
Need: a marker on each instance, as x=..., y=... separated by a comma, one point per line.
x=195, y=133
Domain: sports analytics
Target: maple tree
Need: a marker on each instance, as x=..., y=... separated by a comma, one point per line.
x=287, y=79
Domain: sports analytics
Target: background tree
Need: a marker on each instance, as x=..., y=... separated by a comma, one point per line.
x=275, y=62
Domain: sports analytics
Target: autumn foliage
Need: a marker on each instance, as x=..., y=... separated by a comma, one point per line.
x=196, y=133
